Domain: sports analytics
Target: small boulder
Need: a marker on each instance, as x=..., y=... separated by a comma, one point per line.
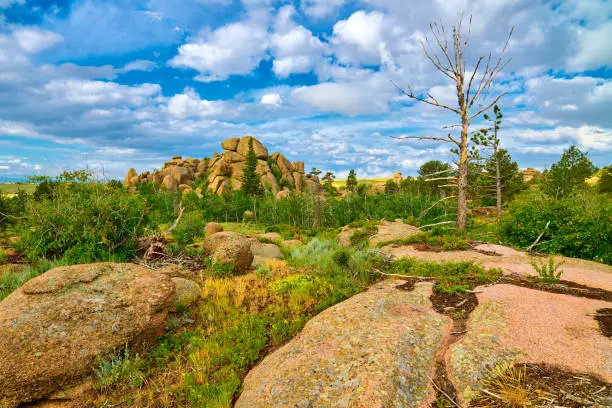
x=272, y=236
x=213, y=228
x=231, y=248
x=185, y=293
x=248, y=216
x=55, y=327
x=264, y=252
x=292, y=243
x=282, y=194
x=169, y=183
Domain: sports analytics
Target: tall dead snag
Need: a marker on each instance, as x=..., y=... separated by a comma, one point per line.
x=447, y=56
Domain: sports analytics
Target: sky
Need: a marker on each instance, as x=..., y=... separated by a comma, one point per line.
x=113, y=84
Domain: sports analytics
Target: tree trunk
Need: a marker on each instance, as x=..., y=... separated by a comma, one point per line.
x=462, y=181
x=462, y=177
x=498, y=188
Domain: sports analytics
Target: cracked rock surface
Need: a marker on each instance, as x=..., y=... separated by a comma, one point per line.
x=377, y=349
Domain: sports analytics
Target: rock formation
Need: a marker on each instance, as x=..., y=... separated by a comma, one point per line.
x=224, y=171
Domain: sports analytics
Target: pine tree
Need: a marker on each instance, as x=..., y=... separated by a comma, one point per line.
x=251, y=182
x=351, y=181
x=328, y=180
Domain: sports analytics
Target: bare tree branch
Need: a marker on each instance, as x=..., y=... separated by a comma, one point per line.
x=411, y=95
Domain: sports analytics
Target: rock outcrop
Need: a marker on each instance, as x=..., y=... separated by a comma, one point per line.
x=377, y=349
x=55, y=327
x=224, y=171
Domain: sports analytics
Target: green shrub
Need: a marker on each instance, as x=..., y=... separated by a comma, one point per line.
x=121, y=369
x=192, y=225
x=579, y=224
x=548, y=271
x=308, y=284
x=342, y=257
x=84, y=223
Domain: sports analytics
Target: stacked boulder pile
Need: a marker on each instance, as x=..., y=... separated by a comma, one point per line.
x=224, y=171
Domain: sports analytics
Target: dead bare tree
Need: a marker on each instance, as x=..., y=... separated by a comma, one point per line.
x=447, y=56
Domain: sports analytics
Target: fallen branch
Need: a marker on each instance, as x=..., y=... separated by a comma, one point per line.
x=438, y=223
x=11, y=216
x=395, y=275
x=443, y=393
x=424, y=213
x=539, y=237
x=175, y=222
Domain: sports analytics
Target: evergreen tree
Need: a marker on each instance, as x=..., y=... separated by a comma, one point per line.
x=251, y=182
x=351, y=181
x=502, y=167
x=568, y=173
x=328, y=179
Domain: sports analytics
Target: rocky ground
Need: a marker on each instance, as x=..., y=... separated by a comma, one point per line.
x=400, y=344
x=395, y=346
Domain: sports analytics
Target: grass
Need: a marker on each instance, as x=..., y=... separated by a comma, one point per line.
x=14, y=276
x=451, y=277
x=338, y=183
x=237, y=321
x=506, y=387
x=14, y=188
x=450, y=242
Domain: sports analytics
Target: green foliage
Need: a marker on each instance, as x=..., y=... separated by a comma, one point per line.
x=222, y=270
x=391, y=187
x=84, y=222
x=569, y=173
x=434, y=169
x=447, y=242
x=351, y=181
x=192, y=225
x=342, y=257
x=451, y=277
x=123, y=369
x=251, y=182
x=579, y=224
x=548, y=271
x=12, y=278
x=308, y=285
x=605, y=180
x=328, y=179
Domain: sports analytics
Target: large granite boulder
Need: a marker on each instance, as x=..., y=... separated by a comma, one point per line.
x=55, y=327
x=377, y=349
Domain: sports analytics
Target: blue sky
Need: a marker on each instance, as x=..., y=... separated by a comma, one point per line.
x=110, y=84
